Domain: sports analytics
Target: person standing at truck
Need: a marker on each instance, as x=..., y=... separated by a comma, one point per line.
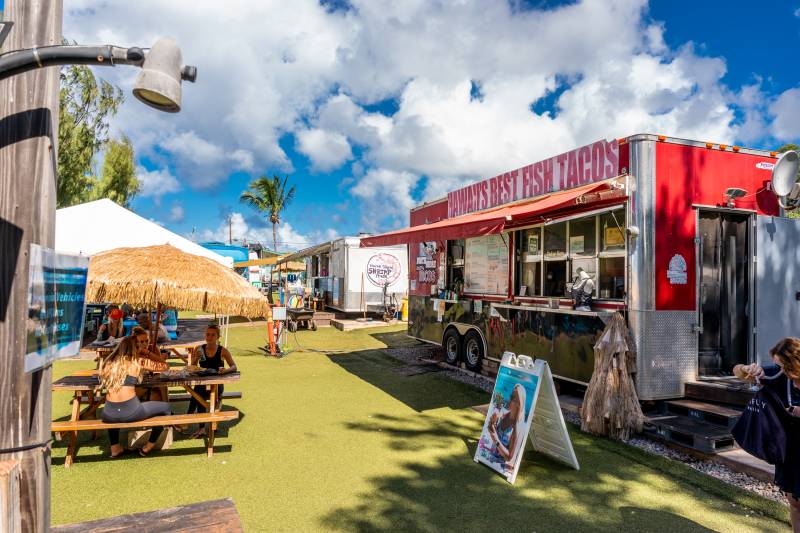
x=784, y=379
x=582, y=289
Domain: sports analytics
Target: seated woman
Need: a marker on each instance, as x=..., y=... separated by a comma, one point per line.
x=119, y=375
x=114, y=327
x=210, y=355
x=146, y=323
x=144, y=351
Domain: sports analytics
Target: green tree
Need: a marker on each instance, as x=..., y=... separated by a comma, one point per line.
x=269, y=196
x=118, y=180
x=86, y=105
x=795, y=213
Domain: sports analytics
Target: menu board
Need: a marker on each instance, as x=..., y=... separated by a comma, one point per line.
x=486, y=265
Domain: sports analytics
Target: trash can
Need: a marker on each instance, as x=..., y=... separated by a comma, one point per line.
x=404, y=310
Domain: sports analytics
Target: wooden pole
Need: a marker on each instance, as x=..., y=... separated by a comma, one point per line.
x=28, y=144
x=154, y=333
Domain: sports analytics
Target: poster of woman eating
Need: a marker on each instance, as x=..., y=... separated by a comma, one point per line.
x=524, y=402
x=507, y=421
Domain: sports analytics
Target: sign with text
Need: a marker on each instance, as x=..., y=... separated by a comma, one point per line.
x=486, y=265
x=56, y=306
x=524, y=404
x=587, y=164
x=383, y=269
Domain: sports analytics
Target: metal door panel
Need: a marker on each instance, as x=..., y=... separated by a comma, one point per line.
x=777, y=282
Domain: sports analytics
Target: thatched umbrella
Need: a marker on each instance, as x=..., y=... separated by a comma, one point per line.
x=155, y=276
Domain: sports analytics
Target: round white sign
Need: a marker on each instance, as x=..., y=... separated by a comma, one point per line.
x=382, y=269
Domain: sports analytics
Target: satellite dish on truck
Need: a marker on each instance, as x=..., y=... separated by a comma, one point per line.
x=784, y=179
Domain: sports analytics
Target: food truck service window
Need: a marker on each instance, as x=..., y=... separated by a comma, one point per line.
x=548, y=257
x=529, y=255
x=486, y=265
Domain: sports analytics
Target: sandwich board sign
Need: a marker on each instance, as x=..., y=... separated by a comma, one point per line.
x=524, y=405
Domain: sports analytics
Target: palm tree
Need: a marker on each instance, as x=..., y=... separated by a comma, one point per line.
x=269, y=195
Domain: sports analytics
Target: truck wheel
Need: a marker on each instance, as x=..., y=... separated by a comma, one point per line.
x=473, y=351
x=292, y=326
x=452, y=347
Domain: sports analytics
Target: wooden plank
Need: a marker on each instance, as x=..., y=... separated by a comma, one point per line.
x=212, y=516
x=28, y=145
x=716, y=409
x=10, y=519
x=168, y=420
x=175, y=397
x=90, y=383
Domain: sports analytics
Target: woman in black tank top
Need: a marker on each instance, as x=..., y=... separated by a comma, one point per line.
x=210, y=356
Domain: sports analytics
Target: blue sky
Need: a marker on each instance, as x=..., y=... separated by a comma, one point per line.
x=373, y=106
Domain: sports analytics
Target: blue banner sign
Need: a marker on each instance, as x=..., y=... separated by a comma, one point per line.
x=56, y=306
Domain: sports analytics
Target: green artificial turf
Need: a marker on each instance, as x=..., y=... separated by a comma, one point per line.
x=342, y=441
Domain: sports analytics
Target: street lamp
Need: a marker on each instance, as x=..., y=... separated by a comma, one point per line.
x=158, y=84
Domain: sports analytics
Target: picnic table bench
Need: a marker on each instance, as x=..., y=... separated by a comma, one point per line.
x=211, y=516
x=87, y=387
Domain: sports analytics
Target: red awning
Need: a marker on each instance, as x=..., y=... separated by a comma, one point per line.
x=486, y=222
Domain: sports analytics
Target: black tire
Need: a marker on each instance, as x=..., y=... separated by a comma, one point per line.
x=453, y=347
x=473, y=351
x=292, y=325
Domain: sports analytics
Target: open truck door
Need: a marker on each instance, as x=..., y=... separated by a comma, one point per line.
x=777, y=283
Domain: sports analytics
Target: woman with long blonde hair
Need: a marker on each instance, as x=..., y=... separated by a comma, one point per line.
x=119, y=376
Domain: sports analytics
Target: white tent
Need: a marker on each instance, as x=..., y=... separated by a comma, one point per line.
x=102, y=225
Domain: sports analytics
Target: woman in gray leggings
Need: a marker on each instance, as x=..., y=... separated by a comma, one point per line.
x=119, y=375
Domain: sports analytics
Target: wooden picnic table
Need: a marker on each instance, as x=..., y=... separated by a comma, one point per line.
x=87, y=390
x=172, y=346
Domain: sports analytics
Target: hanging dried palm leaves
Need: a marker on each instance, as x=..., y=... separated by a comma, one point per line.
x=611, y=405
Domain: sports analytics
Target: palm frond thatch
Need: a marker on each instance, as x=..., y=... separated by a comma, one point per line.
x=611, y=406
x=154, y=275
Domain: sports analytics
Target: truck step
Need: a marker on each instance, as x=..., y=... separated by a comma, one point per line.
x=716, y=414
x=690, y=433
x=728, y=392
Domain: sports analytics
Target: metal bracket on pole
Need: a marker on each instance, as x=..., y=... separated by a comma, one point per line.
x=5, y=27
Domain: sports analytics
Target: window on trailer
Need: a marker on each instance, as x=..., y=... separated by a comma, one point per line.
x=548, y=257
x=529, y=261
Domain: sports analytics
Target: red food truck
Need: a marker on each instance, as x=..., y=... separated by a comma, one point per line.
x=686, y=238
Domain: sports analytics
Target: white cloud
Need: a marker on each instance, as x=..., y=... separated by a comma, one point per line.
x=786, y=112
x=386, y=195
x=287, y=237
x=267, y=70
x=156, y=183
x=327, y=150
x=176, y=213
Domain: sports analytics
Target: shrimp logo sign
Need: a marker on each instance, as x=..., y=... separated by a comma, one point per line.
x=677, y=270
x=383, y=269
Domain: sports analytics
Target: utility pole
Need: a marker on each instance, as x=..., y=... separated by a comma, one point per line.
x=28, y=155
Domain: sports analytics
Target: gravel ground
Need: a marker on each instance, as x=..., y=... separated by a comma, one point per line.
x=722, y=472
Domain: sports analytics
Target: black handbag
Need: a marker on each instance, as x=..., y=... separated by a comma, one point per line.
x=762, y=428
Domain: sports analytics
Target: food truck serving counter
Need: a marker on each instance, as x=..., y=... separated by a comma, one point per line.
x=684, y=238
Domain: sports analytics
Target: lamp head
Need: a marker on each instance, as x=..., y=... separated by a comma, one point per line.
x=733, y=193
x=159, y=83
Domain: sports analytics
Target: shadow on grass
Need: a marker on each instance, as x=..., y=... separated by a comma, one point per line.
x=420, y=392
x=446, y=491
x=452, y=493
x=397, y=339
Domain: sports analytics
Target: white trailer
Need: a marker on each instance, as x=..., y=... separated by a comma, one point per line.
x=351, y=279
